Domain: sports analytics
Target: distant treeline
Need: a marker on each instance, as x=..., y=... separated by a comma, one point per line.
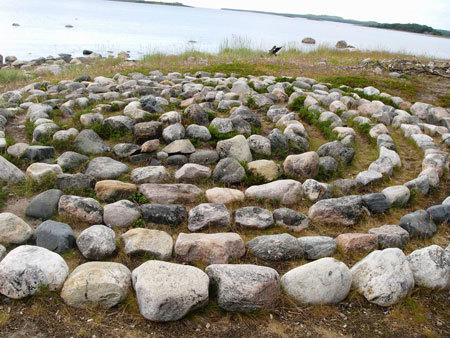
x=155, y=3
x=409, y=27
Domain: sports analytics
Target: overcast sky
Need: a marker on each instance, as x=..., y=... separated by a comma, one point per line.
x=434, y=13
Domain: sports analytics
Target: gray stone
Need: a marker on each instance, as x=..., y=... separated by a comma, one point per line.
x=196, y=115
x=315, y=247
x=397, y=195
x=390, y=236
x=204, y=157
x=338, y=151
x=253, y=217
x=88, y=142
x=192, y=173
x=328, y=165
x=179, y=147
x=200, y=133
x=97, y=242
x=208, y=215
x=38, y=153
x=275, y=248
x=324, y=281
x=17, y=150
x=2, y=252
x=37, y=171
x=170, y=193
x=126, y=149
x=420, y=184
x=44, y=205
x=177, y=160
x=9, y=172
x=278, y=141
x=151, y=174
x=376, y=203
x=383, y=277
x=147, y=130
x=173, y=132
x=145, y=241
x=259, y=144
x=244, y=287
x=170, y=214
x=418, y=224
x=440, y=213
x=342, y=211
x=105, y=168
x=303, y=165
x=236, y=147
x=71, y=160
x=291, y=219
x=27, y=268
x=121, y=214
x=55, y=236
x=288, y=192
x=315, y=191
x=228, y=171
x=13, y=229
x=163, y=296
x=383, y=165
x=346, y=185
x=431, y=267
x=368, y=176
x=123, y=123
x=76, y=182
x=84, y=209
x=150, y=104
x=44, y=131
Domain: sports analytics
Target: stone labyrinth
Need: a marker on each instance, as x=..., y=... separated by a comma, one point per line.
x=170, y=186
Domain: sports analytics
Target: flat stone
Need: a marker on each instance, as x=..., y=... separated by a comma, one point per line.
x=105, y=168
x=13, y=229
x=84, y=209
x=179, y=147
x=37, y=171
x=208, y=215
x=163, y=296
x=150, y=174
x=104, y=284
x=97, y=242
x=121, y=214
x=253, y=217
x=145, y=241
x=291, y=219
x=341, y=211
x=55, y=236
x=170, y=214
x=352, y=242
x=275, y=248
x=224, y=195
x=44, y=205
x=191, y=172
x=390, y=278
x=38, y=153
x=244, y=287
x=71, y=160
x=218, y=248
x=170, y=193
x=368, y=176
x=110, y=190
x=315, y=247
x=418, y=224
x=288, y=192
x=76, y=182
x=390, y=236
x=324, y=281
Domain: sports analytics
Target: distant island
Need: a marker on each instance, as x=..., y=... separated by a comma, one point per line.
x=409, y=27
x=179, y=4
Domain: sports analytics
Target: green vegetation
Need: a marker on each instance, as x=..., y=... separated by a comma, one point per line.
x=139, y=198
x=408, y=27
x=12, y=75
x=178, y=4
x=3, y=196
x=107, y=132
x=297, y=104
x=220, y=136
x=138, y=223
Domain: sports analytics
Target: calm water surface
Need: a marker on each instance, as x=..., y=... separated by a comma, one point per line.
x=103, y=26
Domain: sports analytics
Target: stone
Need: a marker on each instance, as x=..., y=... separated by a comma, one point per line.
x=420, y=109
x=37, y=171
x=244, y=287
x=17, y=150
x=150, y=146
x=13, y=229
x=196, y=114
x=315, y=191
x=147, y=130
x=291, y=219
x=392, y=155
x=9, y=172
x=368, y=176
x=179, y=147
x=76, y=182
x=397, y=195
x=124, y=150
x=352, y=242
x=55, y=236
x=260, y=144
x=2, y=252
x=302, y=166
x=275, y=248
x=90, y=119
x=191, y=172
x=338, y=151
x=106, y=168
x=97, y=242
x=224, y=195
x=432, y=175
x=150, y=174
x=27, y=268
x=71, y=160
x=288, y=192
x=390, y=236
x=170, y=193
x=437, y=161
x=324, y=281
x=278, y=141
x=420, y=184
x=88, y=142
x=121, y=214
x=170, y=214
x=222, y=125
x=253, y=217
x=315, y=247
x=440, y=213
x=145, y=241
x=383, y=277
x=328, y=165
x=44, y=205
x=173, y=132
x=376, y=203
x=266, y=169
x=38, y=153
x=208, y=215
x=228, y=171
x=200, y=133
x=340, y=211
x=44, y=131
x=236, y=147
x=110, y=190
x=430, y=267
x=163, y=296
x=119, y=123
x=104, y=284
x=217, y=248
x=418, y=224
x=150, y=104
x=84, y=209
x=382, y=165
x=176, y=160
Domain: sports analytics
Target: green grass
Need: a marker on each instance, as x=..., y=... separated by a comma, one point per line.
x=298, y=103
x=220, y=136
x=312, y=117
x=107, y=132
x=444, y=100
x=29, y=129
x=3, y=197
x=12, y=75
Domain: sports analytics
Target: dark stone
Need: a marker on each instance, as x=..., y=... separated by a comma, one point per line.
x=177, y=160
x=150, y=104
x=77, y=182
x=170, y=214
x=148, y=130
x=142, y=158
x=275, y=248
x=339, y=151
x=247, y=115
x=87, y=52
x=290, y=218
x=418, y=224
x=228, y=171
x=440, y=213
x=204, y=157
x=38, y=153
x=196, y=114
x=55, y=236
x=82, y=78
x=316, y=247
x=44, y=205
x=278, y=141
x=377, y=203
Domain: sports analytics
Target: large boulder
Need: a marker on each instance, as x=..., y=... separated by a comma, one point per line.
x=28, y=268
x=121, y=214
x=55, y=236
x=168, y=291
x=13, y=229
x=236, y=147
x=339, y=151
x=383, y=277
x=88, y=142
x=170, y=214
x=418, y=224
x=244, y=287
x=145, y=241
x=288, y=192
x=228, y=171
x=280, y=247
x=431, y=267
x=324, y=281
x=104, y=284
x=44, y=205
x=302, y=166
x=84, y=209
x=97, y=242
x=218, y=248
x=342, y=211
x=207, y=215
x=106, y=168
x=171, y=193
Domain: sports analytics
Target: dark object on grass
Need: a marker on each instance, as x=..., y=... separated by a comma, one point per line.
x=274, y=50
x=87, y=52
